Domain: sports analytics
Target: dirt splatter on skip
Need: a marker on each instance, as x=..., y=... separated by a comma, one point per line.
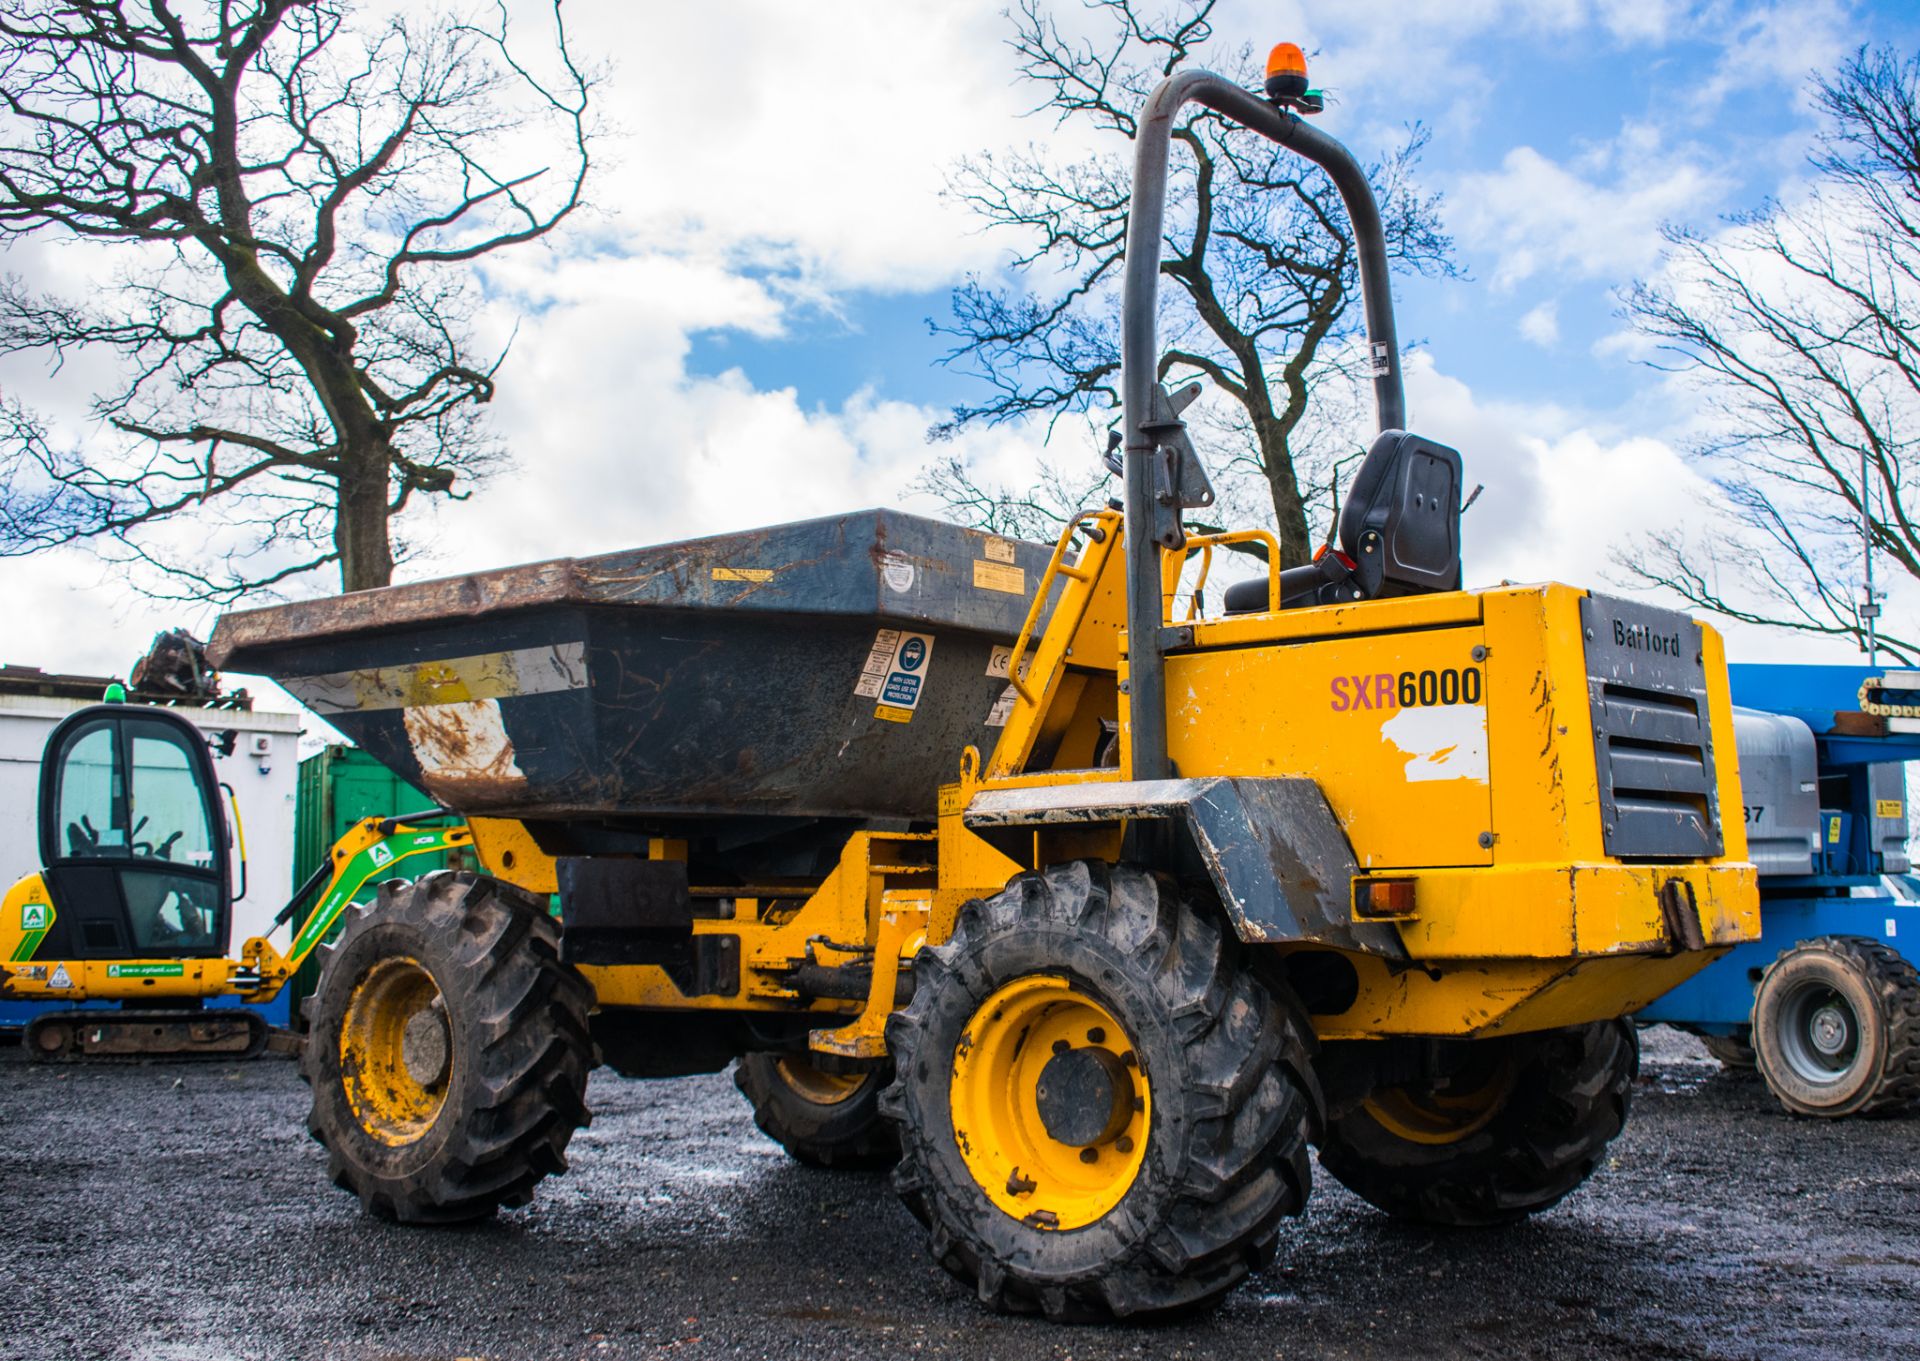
x=464, y=752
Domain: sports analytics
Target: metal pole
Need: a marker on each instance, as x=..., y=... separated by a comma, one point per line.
x=1869, y=610
x=1139, y=354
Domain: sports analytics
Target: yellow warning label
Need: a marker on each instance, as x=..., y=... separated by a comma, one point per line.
x=743, y=574
x=998, y=576
x=1000, y=550
x=892, y=714
x=1889, y=808
x=1833, y=831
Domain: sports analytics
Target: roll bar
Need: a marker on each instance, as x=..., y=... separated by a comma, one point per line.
x=1139, y=354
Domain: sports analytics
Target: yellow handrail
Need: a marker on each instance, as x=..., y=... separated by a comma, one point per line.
x=1174, y=563
x=1056, y=567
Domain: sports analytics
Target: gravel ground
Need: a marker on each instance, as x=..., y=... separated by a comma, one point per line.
x=179, y=1211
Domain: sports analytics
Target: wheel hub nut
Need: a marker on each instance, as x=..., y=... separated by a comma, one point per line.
x=1085, y=1097
x=1829, y=1030
x=425, y=1048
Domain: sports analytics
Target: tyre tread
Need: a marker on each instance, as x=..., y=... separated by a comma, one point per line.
x=531, y=1045
x=1252, y=1104
x=1583, y=1101
x=1896, y=983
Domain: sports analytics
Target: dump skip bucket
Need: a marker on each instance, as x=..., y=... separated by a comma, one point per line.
x=832, y=668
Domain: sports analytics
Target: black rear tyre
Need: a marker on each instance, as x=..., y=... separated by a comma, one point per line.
x=1518, y=1123
x=1836, y=1027
x=449, y=1052
x=1733, y=1051
x=1102, y=1113
x=823, y=1119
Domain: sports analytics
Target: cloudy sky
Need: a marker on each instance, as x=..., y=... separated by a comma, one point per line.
x=737, y=334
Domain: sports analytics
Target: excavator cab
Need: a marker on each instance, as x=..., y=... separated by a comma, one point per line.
x=133, y=838
x=133, y=903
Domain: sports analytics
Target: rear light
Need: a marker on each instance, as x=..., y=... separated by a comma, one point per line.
x=1376, y=898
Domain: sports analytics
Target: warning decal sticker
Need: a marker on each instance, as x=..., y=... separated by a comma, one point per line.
x=874, y=673
x=896, y=569
x=999, y=576
x=895, y=673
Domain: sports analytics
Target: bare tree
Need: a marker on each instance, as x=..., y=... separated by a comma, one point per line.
x=299, y=199
x=1257, y=245
x=1037, y=509
x=1801, y=324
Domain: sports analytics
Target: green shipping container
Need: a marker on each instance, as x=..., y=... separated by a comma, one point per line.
x=338, y=786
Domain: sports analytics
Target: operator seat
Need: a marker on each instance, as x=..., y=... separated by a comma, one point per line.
x=1399, y=533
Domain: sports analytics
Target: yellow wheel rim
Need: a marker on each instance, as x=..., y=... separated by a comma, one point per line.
x=1051, y=1107
x=1421, y=1115
x=396, y=1051
x=812, y=1084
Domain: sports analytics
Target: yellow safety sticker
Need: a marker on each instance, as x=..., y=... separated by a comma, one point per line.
x=743, y=574
x=1889, y=808
x=999, y=576
x=892, y=714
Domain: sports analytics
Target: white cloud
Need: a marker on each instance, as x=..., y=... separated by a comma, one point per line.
x=819, y=137
x=1641, y=21
x=1779, y=44
x=616, y=444
x=1541, y=324
x=774, y=156
x=1598, y=217
x=1567, y=491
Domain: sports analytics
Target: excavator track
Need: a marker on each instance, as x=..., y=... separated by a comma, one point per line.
x=67, y=1036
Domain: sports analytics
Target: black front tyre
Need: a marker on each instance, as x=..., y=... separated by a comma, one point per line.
x=1102, y=1113
x=449, y=1051
x=823, y=1119
x=1509, y=1128
x=1836, y=1027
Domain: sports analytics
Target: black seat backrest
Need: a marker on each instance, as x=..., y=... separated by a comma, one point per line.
x=1400, y=522
x=1399, y=533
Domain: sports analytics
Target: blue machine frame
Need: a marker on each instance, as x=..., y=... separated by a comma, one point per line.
x=1846, y=894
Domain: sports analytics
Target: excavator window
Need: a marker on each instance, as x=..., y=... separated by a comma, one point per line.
x=133, y=837
x=167, y=910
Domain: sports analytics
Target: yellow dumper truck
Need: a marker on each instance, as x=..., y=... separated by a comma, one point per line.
x=1093, y=913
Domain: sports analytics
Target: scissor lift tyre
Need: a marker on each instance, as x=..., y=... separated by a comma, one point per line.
x=1836, y=1027
x=1733, y=1051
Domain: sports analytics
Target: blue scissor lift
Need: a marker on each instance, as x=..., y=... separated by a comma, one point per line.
x=1827, y=1002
